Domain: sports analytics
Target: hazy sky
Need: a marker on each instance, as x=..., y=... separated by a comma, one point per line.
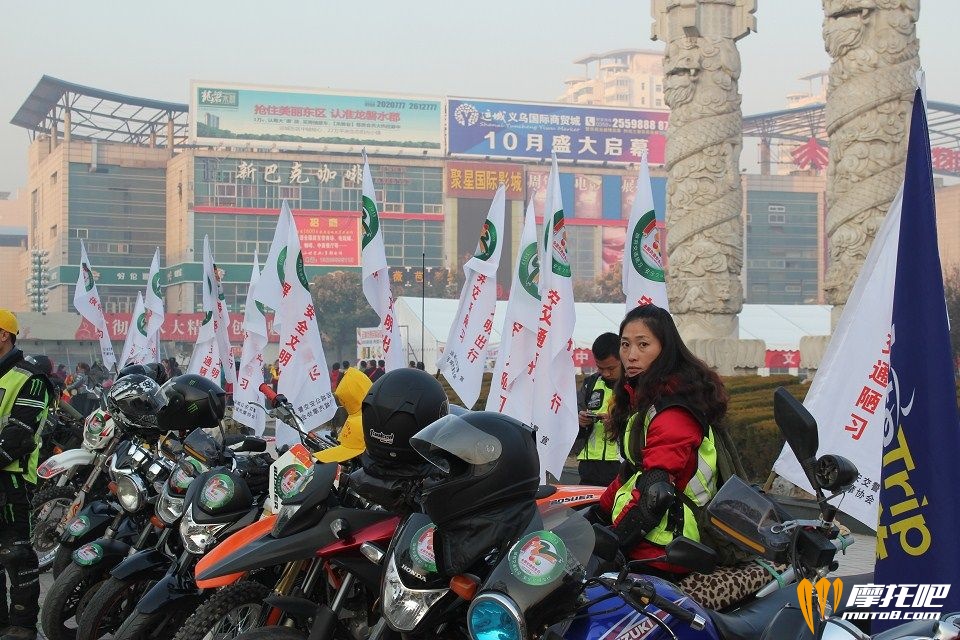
x=519, y=49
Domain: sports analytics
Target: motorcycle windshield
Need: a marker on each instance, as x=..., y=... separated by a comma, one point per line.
x=749, y=518
x=544, y=560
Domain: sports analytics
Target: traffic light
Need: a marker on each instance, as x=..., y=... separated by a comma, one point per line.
x=39, y=280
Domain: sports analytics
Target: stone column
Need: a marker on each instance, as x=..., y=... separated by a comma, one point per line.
x=705, y=240
x=875, y=52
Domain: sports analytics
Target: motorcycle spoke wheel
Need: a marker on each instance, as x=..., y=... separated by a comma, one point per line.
x=237, y=621
x=49, y=507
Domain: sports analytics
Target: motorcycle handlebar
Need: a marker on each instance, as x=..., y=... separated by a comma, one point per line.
x=696, y=622
x=269, y=394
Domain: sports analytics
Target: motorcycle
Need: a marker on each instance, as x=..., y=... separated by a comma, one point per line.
x=138, y=479
x=542, y=588
x=61, y=500
x=218, y=502
x=62, y=431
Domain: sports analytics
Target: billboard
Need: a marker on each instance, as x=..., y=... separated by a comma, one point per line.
x=481, y=179
x=222, y=113
x=574, y=132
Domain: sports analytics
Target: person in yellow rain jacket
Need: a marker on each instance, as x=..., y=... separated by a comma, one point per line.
x=350, y=392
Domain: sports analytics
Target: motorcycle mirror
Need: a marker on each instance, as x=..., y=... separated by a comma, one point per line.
x=339, y=418
x=799, y=428
x=606, y=544
x=688, y=553
x=835, y=473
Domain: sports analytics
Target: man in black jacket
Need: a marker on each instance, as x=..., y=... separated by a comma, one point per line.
x=25, y=396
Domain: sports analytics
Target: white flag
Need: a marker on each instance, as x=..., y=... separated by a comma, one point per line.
x=465, y=353
x=248, y=402
x=858, y=345
x=87, y=301
x=303, y=372
x=268, y=289
x=153, y=301
x=555, y=388
x=376, y=279
x=211, y=355
x=643, y=275
x=137, y=345
x=511, y=388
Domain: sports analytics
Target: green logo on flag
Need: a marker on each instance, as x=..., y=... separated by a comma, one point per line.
x=88, y=283
x=155, y=285
x=529, y=270
x=301, y=274
x=281, y=262
x=260, y=307
x=488, y=241
x=645, y=250
x=207, y=317
x=370, y=221
x=142, y=323
x=558, y=246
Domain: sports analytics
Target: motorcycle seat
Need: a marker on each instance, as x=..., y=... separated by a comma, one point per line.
x=749, y=621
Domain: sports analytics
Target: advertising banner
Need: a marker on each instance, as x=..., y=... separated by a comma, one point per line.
x=329, y=239
x=535, y=130
x=222, y=113
x=480, y=180
x=176, y=326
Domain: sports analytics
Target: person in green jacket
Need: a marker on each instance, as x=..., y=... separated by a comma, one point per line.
x=599, y=460
x=25, y=395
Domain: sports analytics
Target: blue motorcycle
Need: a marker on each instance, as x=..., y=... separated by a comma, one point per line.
x=551, y=583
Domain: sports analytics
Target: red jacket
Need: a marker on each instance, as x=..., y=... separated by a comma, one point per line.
x=673, y=438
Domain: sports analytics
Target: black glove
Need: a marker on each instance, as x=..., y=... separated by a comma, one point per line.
x=657, y=495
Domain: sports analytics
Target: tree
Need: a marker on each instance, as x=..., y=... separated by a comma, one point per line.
x=341, y=308
x=607, y=287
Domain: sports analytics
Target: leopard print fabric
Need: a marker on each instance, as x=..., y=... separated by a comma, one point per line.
x=726, y=586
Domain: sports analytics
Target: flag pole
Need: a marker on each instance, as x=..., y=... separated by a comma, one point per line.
x=423, y=303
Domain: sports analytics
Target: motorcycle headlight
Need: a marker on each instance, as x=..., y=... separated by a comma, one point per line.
x=404, y=608
x=196, y=537
x=169, y=507
x=494, y=616
x=131, y=491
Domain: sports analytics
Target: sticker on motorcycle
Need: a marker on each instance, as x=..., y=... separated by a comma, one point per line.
x=290, y=477
x=217, y=491
x=538, y=558
x=78, y=525
x=88, y=554
x=181, y=478
x=421, y=548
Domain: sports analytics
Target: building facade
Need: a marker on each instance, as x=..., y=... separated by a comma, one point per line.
x=622, y=78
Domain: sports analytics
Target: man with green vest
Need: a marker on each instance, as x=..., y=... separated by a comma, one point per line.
x=599, y=460
x=24, y=398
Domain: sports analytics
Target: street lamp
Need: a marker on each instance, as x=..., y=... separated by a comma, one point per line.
x=39, y=280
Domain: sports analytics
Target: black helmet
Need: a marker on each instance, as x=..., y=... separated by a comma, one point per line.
x=397, y=406
x=191, y=401
x=41, y=362
x=488, y=460
x=135, y=401
x=153, y=370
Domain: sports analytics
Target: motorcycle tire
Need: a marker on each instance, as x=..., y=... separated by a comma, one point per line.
x=116, y=601
x=61, y=561
x=228, y=613
x=45, y=538
x=273, y=633
x=150, y=626
x=66, y=599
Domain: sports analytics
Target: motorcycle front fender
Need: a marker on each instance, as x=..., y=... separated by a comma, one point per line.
x=173, y=590
x=55, y=465
x=147, y=563
x=89, y=524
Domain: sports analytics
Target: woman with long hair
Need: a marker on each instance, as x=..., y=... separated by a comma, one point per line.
x=664, y=408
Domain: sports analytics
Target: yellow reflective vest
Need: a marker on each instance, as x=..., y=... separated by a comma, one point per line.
x=597, y=446
x=701, y=488
x=10, y=385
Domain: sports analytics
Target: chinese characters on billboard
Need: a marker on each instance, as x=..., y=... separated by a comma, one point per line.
x=573, y=132
x=292, y=118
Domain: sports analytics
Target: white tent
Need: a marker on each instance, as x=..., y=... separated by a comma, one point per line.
x=779, y=326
